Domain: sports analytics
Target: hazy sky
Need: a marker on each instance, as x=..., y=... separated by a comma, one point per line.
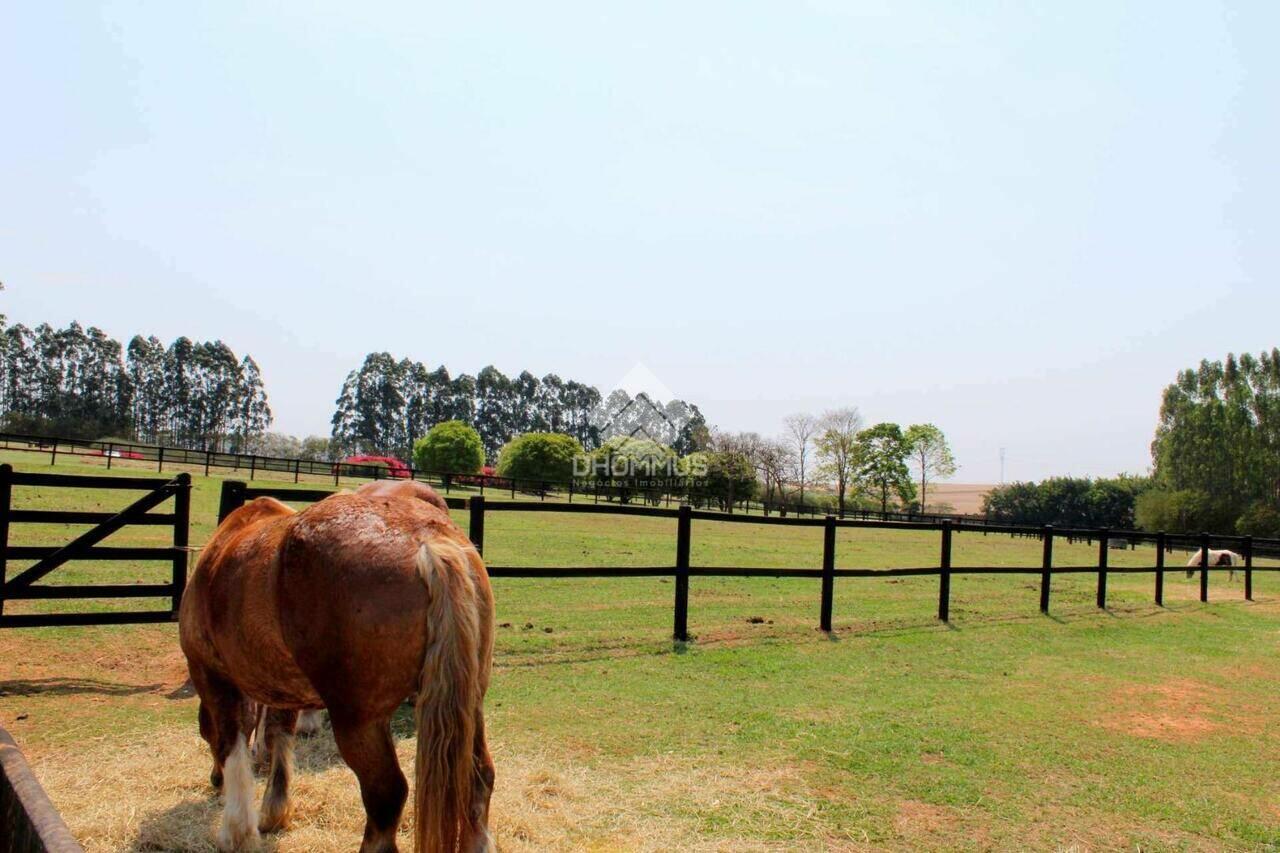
x=1015, y=220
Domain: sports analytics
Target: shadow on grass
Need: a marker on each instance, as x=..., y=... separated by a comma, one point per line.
x=188, y=825
x=1067, y=615
x=72, y=687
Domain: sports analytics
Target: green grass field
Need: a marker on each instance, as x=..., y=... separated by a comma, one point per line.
x=1137, y=727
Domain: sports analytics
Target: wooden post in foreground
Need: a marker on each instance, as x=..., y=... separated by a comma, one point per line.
x=181, y=534
x=944, y=576
x=232, y=498
x=476, y=505
x=1046, y=564
x=1204, y=567
x=1160, y=546
x=828, y=571
x=1248, y=568
x=1103, y=542
x=684, y=524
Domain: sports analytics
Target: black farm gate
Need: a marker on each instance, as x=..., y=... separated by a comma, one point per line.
x=42, y=561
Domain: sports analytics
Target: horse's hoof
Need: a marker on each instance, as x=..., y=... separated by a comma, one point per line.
x=277, y=822
x=238, y=840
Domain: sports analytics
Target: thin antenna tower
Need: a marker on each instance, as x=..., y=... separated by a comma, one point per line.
x=1002, y=466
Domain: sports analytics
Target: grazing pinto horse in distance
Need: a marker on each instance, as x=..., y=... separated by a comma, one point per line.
x=1216, y=558
x=352, y=605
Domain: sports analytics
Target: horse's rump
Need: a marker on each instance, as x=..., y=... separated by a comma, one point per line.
x=403, y=489
x=229, y=621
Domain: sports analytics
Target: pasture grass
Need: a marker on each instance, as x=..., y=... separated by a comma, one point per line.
x=1138, y=727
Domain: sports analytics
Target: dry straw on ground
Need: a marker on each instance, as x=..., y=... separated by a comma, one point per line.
x=155, y=795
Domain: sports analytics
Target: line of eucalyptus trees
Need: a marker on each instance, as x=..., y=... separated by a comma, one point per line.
x=387, y=403
x=81, y=383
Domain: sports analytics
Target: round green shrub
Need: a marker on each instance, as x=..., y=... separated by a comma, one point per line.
x=451, y=447
x=539, y=456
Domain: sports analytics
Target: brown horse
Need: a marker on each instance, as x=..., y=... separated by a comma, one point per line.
x=352, y=605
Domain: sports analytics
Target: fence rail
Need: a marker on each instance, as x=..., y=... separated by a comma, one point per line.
x=235, y=494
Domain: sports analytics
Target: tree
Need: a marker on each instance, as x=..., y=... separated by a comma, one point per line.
x=145, y=367
x=496, y=409
x=931, y=455
x=774, y=459
x=275, y=444
x=881, y=454
x=1076, y=502
x=730, y=477
x=1181, y=511
x=541, y=456
x=1219, y=434
x=451, y=447
x=836, y=443
x=317, y=448
x=629, y=465
x=1260, y=519
x=800, y=429
x=82, y=383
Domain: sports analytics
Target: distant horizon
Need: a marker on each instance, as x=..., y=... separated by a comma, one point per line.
x=1018, y=224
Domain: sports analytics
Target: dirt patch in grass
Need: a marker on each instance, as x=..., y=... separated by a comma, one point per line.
x=916, y=819
x=1181, y=710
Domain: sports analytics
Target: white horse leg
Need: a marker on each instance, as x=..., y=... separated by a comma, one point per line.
x=239, y=830
x=258, y=751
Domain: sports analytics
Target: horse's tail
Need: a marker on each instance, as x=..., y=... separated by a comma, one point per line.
x=449, y=697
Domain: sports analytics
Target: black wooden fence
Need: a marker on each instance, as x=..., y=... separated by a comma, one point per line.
x=86, y=547
x=235, y=494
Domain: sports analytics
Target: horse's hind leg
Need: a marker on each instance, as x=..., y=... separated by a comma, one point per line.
x=278, y=740
x=368, y=749
x=480, y=840
x=223, y=719
x=210, y=734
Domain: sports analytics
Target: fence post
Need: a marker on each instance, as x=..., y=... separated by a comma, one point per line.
x=828, y=570
x=337, y=472
x=232, y=498
x=1248, y=568
x=476, y=529
x=684, y=524
x=208, y=460
x=6, y=493
x=110, y=450
x=944, y=575
x=160, y=459
x=297, y=469
x=253, y=465
x=1160, y=546
x=181, y=537
x=1204, y=567
x=53, y=459
x=1103, y=538
x=1047, y=564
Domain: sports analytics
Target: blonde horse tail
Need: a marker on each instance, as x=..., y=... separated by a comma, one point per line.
x=449, y=697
